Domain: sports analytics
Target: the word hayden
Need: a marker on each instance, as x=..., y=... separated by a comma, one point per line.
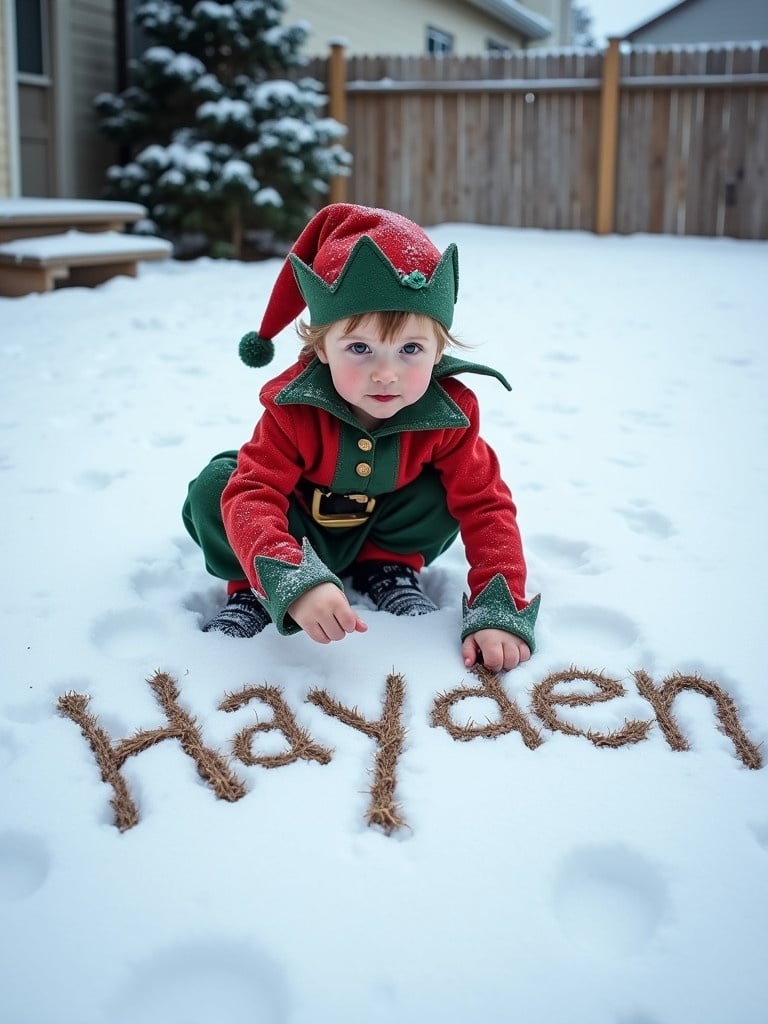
x=388, y=730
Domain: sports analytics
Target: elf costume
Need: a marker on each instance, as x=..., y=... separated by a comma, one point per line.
x=314, y=495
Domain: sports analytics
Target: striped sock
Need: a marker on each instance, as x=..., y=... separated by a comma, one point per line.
x=243, y=616
x=393, y=587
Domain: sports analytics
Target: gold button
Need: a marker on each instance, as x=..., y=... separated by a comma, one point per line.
x=364, y=444
x=363, y=469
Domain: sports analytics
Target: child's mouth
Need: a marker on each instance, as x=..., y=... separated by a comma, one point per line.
x=383, y=398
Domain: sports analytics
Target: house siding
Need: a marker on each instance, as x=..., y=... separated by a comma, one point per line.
x=400, y=27
x=90, y=69
x=559, y=13
x=5, y=125
x=707, y=21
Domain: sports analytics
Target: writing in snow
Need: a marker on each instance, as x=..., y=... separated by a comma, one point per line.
x=388, y=731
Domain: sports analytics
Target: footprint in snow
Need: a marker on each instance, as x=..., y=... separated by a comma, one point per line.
x=609, y=898
x=563, y=553
x=30, y=712
x=594, y=626
x=102, y=416
x=9, y=748
x=132, y=633
x=187, y=548
x=740, y=362
x=627, y=461
x=760, y=832
x=24, y=865
x=645, y=520
x=525, y=437
x=197, y=983
x=96, y=480
x=643, y=418
x=157, y=579
x=559, y=356
x=562, y=409
x=166, y=440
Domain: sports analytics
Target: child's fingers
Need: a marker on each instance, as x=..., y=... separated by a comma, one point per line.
x=347, y=619
x=469, y=652
x=497, y=651
x=337, y=624
x=495, y=657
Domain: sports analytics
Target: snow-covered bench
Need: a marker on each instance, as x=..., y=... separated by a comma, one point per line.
x=75, y=258
x=27, y=217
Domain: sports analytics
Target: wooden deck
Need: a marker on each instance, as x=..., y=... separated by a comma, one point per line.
x=28, y=218
x=46, y=243
x=42, y=263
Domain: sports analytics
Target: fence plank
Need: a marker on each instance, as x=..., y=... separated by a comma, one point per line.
x=736, y=154
x=755, y=183
x=658, y=105
x=711, y=209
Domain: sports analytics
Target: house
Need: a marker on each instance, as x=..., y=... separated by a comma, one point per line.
x=57, y=55
x=413, y=27
x=704, y=21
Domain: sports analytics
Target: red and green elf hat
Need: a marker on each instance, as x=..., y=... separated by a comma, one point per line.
x=355, y=259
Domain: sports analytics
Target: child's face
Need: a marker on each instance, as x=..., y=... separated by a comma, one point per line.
x=378, y=378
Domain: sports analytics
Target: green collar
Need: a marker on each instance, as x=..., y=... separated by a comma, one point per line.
x=434, y=410
x=450, y=365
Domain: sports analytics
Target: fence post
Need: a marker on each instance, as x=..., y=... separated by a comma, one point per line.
x=337, y=92
x=608, y=139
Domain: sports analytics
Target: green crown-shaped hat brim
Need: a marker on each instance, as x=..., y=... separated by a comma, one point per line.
x=369, y=283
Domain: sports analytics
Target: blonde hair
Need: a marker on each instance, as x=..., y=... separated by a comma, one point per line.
x=389, y=322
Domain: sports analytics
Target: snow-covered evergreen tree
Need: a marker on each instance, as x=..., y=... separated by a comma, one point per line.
x=220, y=145
x=581, y=25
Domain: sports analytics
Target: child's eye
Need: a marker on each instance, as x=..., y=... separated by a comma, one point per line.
x=411, y=348
x=358, y=347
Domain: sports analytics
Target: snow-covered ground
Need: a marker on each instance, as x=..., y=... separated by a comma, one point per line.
x=559, y=880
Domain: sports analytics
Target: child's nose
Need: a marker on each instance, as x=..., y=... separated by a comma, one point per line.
x=384, y=370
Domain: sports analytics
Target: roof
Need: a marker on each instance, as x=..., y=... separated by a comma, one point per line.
x=517, y=16
x=662, y=16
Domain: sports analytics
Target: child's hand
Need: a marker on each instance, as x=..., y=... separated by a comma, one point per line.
x=324, y=614
x=497, y=649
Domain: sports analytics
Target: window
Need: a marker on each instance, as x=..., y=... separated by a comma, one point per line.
x=497, y=49
x=439, y=41
x=31, y=37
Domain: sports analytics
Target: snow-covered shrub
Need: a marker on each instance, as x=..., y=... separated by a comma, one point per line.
x=218, y=145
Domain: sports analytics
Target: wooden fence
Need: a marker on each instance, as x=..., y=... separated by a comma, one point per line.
x=670, y=140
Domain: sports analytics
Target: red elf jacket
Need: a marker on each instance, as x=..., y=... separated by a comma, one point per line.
x=308, y=436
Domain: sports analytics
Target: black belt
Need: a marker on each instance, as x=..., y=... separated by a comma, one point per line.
x=337, y=510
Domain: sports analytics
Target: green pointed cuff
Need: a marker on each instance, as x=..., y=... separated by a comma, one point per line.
x=495, y=608
x=284, y=582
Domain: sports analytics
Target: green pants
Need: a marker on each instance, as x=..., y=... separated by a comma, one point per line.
x=412, y=520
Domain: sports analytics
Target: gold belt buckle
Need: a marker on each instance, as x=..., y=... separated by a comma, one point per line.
x=339, y=519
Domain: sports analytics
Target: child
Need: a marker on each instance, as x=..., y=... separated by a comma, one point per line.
x=367, y=460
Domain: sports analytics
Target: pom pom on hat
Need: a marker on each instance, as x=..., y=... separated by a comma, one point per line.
x=356, y=259
x=256, y=351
